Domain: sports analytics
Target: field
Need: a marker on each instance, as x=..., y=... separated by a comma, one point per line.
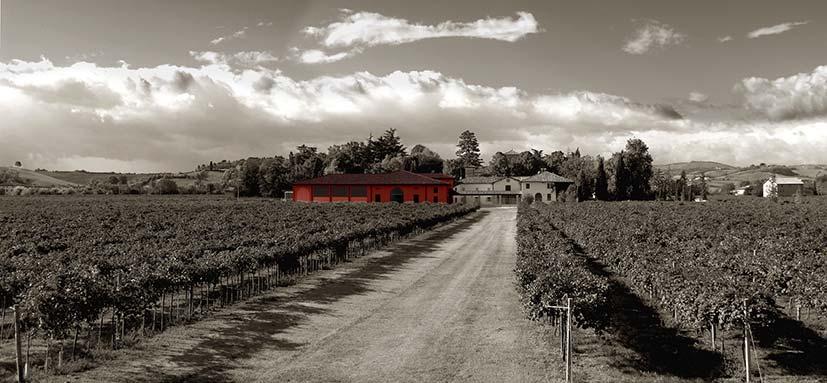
x=93, y=272
x=685, y=285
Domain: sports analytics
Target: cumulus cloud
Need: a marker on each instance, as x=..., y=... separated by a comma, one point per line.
x=775, y=29
x=173, y=117
x=316, y=56
x=652, y=34
x=371, y=29
x=724, y=39
x=798, y=96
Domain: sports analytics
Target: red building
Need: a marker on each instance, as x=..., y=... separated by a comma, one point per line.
x=401, y=186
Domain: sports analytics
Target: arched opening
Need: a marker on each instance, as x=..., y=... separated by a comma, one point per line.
x=397, y=195
x=538, y=197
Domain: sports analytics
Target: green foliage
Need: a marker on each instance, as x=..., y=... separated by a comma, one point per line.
x=165, y=186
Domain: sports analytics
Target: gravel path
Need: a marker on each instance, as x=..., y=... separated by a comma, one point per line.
x=438, y=307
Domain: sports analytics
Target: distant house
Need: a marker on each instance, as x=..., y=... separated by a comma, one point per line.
x=400, y=186
x=488, y=191
x=743, y=190
x=545, y=186
x=784, y=186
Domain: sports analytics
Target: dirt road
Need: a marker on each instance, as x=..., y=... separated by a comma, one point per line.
x=438, y=307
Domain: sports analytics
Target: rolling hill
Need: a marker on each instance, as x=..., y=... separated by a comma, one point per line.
x=38, y=179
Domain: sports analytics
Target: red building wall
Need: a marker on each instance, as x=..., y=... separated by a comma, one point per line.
x=426, y=193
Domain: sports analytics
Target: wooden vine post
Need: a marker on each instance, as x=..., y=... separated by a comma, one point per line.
x=746, y=344
x=18, y=350
x=566, y=338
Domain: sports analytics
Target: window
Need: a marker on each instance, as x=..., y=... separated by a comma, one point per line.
x=528, y=186
x=550, y=185
x=488, y=199
x=507, y=187
x=548, y=197
x=377, y=198
x=359, y=191
x=340, y=190
x=321, y=190
x=416, y=198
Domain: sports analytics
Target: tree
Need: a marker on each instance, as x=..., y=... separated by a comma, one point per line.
x=469, y=149
x=621, y=178
x=704, y=190
x=584, y=187
x=165, y=186
x=389, y=145
x=554, y=161
x=306, y=163
x=681, y=187
x=18, y=164
x=114, y=180
x=249, y=177
x=455, y=168
x=273, y=177
x=351, y=157
x=638, y=161
x=500, y=165
x=601, y=182
x=426, y=160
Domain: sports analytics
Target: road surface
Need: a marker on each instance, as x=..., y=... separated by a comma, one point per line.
x=438, y=307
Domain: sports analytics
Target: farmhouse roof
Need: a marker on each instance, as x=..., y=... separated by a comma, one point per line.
x=435, y=175
x=401, y=177
x=488, y=192
x=788, y=181
x=480, y=180
x=546, y=176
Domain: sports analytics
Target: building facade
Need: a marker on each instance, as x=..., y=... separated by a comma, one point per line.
x=545, y=186
x=784, y=186
x=499, y=190
x=401, y=186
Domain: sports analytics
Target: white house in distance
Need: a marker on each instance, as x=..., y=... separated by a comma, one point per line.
x=545, y=186
x=785, y=186
x=488, y=191
x=501, y=190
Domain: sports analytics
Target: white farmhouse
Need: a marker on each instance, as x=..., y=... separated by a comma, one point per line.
x=545, y=186
x=488, y=191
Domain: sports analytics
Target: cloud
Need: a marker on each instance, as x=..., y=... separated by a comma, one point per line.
x=244, y=58
x=698, y=97
x=775, y=29
x=172, y=117
x=652, y=34
x=239, y=34
x=724, y=39
x=366, y=29
x=315, y=56
x=802, y=95
x=264, y=24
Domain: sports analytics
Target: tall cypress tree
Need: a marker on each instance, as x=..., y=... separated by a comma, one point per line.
x=621, y=179
x=601, y=183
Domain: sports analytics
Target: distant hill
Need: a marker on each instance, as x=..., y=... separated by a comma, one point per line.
x=39, y=179
x=85, y=178
x=695, y=167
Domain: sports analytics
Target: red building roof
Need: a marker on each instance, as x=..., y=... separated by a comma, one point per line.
x=401, y=177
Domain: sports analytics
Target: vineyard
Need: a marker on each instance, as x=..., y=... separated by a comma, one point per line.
x=87, y=273
x=737, y=271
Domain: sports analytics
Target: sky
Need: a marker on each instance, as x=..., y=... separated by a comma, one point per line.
x=165, y=85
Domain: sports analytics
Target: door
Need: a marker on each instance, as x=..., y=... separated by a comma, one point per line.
x=538, y=197
x=416, y=198
x=377, y=198
x=397, y=195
